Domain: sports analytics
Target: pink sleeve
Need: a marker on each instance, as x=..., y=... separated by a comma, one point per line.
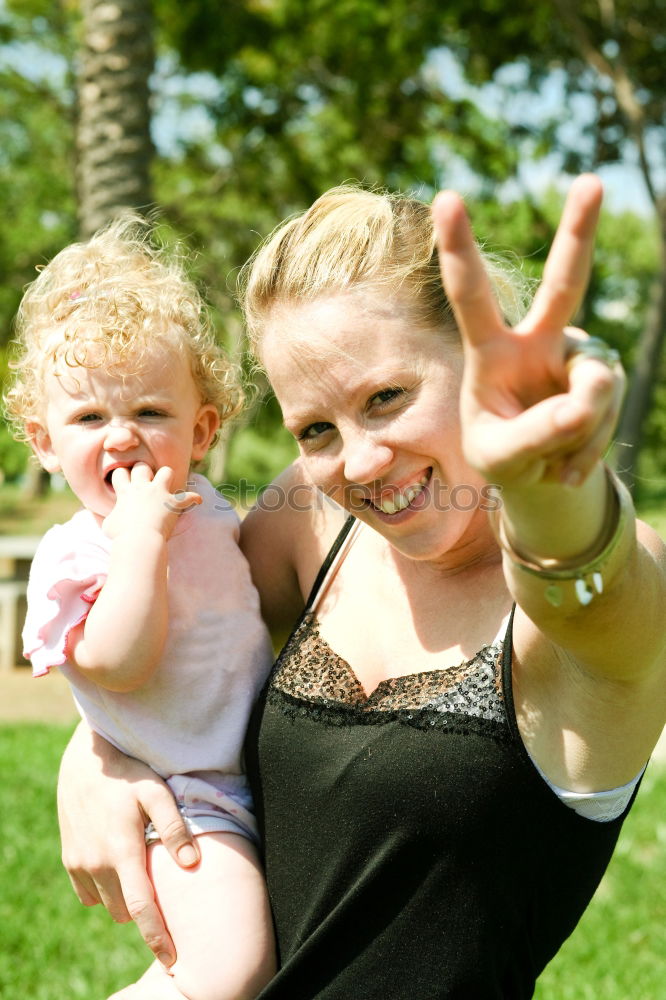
x=65, y=580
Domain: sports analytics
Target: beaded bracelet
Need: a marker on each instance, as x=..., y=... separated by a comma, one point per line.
x=586, y=570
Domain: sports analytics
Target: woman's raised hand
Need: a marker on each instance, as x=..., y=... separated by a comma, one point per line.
x=528, y=415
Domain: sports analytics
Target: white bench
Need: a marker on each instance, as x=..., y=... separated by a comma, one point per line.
x=16, y=552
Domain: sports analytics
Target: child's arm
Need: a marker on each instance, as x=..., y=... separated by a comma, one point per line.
x=120, y=643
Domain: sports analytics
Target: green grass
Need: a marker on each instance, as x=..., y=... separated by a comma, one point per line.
x=618, y=951
x=52, y=948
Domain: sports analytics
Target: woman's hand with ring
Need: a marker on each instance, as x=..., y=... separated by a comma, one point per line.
x=536, y=404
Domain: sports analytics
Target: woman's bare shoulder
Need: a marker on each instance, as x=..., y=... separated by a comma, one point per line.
x=285, y=538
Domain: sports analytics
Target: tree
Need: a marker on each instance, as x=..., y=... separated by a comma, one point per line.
x=36, y=167
x=302, y=96
x=113, y=143
x=612, y=54
x=270, y=103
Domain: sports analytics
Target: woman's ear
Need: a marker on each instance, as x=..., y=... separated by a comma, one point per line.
x=206, y=426
x=40, y=442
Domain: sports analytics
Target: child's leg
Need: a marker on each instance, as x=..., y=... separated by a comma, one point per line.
x=219, y=919
x=155, y=984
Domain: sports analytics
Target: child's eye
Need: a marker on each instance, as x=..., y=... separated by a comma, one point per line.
x=148, y=412
x=312, y=431
x=88, y=418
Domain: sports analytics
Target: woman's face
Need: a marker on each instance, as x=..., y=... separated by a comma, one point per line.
x=372, y=400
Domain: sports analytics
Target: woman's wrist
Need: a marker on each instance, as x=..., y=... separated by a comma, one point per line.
x=559, y=563
x=554, y=520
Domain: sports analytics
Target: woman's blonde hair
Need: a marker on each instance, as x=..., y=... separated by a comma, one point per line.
x=353, y=238
x=110, y=302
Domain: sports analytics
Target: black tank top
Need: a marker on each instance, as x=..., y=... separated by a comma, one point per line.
x=412, y=850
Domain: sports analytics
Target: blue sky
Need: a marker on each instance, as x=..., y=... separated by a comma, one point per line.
x=509, y=98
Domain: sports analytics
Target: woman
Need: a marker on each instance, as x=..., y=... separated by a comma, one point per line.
x=457, y=726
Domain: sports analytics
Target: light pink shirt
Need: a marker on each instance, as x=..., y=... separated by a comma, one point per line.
x=192, y=714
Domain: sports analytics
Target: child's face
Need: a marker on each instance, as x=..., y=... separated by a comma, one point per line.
x=96, y=421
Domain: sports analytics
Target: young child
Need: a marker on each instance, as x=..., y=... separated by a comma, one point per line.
x=143, y=598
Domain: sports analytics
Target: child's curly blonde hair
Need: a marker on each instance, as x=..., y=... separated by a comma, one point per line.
x=111, y=301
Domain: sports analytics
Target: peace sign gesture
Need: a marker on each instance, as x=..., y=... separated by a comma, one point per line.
x=529, y=415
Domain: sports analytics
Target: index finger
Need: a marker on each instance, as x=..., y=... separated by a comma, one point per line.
x=567, y=269
x=464, y=277
x=143, y=909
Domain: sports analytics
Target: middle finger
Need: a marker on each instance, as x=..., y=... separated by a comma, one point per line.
x=567, y=268
x=141, y=472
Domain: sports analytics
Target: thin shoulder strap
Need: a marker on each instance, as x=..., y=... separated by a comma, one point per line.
x=329, y=560
x=507, y=677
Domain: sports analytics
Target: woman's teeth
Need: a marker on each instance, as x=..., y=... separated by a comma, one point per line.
x=399, y=501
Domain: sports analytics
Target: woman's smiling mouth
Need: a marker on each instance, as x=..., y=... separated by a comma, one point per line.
x=395, y=500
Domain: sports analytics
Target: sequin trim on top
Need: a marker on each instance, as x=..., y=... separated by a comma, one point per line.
x=310, y=679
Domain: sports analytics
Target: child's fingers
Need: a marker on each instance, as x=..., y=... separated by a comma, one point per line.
x=163, y=476
x=142, y=472
x=121, y=477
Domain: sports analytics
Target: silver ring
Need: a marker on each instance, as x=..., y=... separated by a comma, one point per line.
x=591, y=349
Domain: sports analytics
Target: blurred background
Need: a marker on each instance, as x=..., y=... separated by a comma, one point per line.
x=219, y=118
x=222, y=118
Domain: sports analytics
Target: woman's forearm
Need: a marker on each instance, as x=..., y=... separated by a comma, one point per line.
x=581, y=567
x=555, y=521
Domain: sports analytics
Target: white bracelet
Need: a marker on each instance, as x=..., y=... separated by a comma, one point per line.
x=587, y=569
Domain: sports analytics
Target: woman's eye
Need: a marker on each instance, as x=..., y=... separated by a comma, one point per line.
x=314, y=430
x=387, y=395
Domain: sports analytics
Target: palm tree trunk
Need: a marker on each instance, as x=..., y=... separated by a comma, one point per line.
x=114, y=148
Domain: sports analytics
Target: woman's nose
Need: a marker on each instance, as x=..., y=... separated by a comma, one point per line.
x=365, y=458
x=120, y=435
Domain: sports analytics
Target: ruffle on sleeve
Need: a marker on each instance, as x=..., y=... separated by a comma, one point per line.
x=62, y=588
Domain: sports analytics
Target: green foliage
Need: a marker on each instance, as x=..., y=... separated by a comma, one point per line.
x=315, y=94
x=257, y=453
x=627, y=37
x=36, y=146
x=289, y=97
x=13, y=456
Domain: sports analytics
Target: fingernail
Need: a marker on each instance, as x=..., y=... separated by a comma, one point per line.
x=187, y=855
x=165, y=959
